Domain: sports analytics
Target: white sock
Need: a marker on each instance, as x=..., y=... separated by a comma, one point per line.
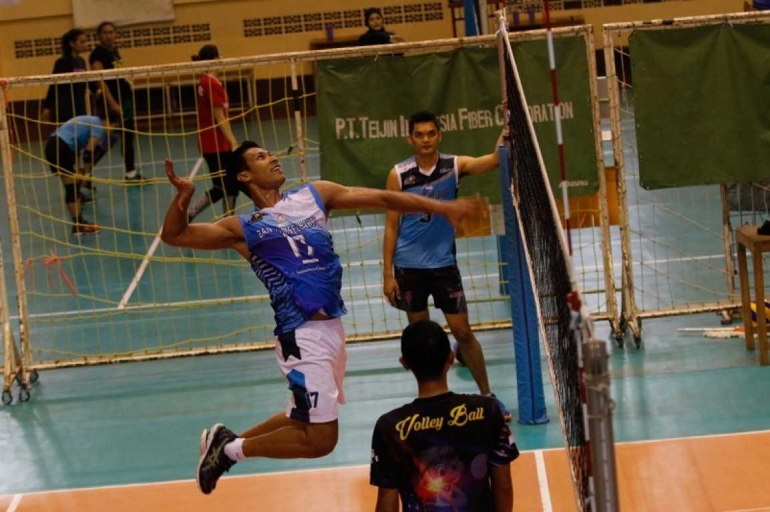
x=234, y=450
x=130, y=174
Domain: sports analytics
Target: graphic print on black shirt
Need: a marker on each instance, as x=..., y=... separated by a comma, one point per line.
x=438, y=452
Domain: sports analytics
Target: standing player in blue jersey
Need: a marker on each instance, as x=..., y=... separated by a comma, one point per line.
x=419, y=248
x=290, y=249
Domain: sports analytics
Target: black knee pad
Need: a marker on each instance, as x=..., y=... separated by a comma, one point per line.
x=70, y=193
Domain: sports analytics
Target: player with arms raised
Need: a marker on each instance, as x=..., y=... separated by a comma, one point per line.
x=290, y=249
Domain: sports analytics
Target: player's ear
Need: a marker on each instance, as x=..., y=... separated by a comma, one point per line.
x=243, y=176
x=450, y=360
x=403, y=363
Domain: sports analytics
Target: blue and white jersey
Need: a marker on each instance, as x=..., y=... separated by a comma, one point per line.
x=292, y=253
x=78, y=131
x=426, y=240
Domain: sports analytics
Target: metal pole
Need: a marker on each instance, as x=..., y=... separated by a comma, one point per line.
x=599, y=406
x=296, y=97
x=13, y=220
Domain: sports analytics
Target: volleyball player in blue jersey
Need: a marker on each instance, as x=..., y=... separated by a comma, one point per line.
x=419, y=248
x=290, y=249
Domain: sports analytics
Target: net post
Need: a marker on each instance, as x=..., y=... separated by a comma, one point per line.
x=526, y=338
x=25, y=359
x=628, y=313
x=296, y=99
x=599, y=408
x=472, y=22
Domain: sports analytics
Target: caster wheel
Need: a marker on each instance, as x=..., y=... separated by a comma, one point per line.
x=7, y=397
x=619, y=340
x=34, y=376
x=23, y=395
x=637, y=342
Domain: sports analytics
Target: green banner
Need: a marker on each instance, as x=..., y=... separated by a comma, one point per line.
x=702, y=104
x=364, y=105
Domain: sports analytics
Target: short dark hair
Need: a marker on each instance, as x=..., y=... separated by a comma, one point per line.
x=368, y=13
x=207, y=52
x=103, y=25
x=68, y=38
x=423, y=116
x=425, y=349
x=238, y=154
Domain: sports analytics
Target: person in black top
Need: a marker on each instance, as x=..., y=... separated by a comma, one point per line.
x=377, y=33
x=117, y=94
x=443, y=451
x=65, y=101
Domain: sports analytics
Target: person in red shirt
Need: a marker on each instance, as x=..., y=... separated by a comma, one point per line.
x=215, y=140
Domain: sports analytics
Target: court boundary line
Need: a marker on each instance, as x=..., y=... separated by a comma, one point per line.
x=542, y=481
x=14, y=503
x=361, y=466
x=151, y=252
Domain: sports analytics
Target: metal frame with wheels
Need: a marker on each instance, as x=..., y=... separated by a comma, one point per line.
x=12, y=367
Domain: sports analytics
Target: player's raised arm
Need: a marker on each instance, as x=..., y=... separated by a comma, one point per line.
x=225, y=234
x=339, y=197
x=468, y=165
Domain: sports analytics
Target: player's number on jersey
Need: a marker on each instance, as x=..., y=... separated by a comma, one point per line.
x=302, y=249
x=426, y=217
x=312, y=399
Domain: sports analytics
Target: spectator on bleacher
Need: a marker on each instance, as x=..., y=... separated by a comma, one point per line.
x=118, y=94
x=377, y=33
x=215, y=139
x=65, y=101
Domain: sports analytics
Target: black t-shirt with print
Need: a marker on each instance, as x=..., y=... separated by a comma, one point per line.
x=438, y=452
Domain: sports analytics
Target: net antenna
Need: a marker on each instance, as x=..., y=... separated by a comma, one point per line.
x=577, y=362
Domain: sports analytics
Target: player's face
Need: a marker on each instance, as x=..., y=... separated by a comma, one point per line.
x=425, y=138
x=264, y=169
x=108, y=35
x=80, y=45
x=376, y=22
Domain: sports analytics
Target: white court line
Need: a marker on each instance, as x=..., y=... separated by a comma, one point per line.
x=14, y=503
x=150, y=253
x=350, y=466
x=542, y=480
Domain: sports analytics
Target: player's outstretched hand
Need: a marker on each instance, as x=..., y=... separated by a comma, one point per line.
x=185, y=187
x=464, y=208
